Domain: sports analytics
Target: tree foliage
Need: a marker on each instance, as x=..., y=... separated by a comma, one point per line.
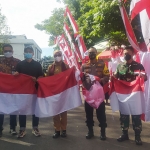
x=97, y=20
x=4, y=30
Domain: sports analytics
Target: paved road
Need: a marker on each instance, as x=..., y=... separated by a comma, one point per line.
x=76, y=135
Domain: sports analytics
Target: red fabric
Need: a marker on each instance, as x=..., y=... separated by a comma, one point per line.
x=128, y=28
x=140, y=6
x=105, y=54
x=20, y=84
x=124, y=87
x=53, y=85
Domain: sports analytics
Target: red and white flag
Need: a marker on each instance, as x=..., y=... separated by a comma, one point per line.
x=128, y=27
x=57, y=94
x=127, y=97
x=78, y=37
x=142, y=7
x=17, y=94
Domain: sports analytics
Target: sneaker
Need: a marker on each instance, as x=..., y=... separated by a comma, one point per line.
x=36, y=132
x=13, y=132
x=21, y=134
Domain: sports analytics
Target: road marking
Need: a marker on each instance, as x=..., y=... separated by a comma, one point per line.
x=16, y=141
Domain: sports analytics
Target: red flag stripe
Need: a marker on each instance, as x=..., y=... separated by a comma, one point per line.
x=56, y=84
x=20, y=84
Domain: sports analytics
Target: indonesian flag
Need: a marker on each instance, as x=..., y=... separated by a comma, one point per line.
x=17, y=94
x=57, y=93
x=142, y=7
x=128, y=27
x=127, y=97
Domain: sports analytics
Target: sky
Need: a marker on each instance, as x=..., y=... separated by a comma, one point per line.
x=22, y=15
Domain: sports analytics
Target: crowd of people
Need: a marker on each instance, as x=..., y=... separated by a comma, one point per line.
x=96, y=67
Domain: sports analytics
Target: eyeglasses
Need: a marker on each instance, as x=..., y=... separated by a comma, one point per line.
x=57, y=55
x=6, y=51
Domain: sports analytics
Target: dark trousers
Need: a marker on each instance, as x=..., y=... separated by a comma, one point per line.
x=136, y=122
x=22, y=121
x=100, y=113
x=13, y=121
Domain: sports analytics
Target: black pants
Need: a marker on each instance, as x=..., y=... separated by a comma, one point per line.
x=100, y=113
x=13, y=121
x=22, y=121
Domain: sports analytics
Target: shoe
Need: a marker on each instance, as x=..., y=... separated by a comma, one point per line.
x=13, y=132
x=89, y=135
x=103, y=137
x=21, y=134
x=56, y=134
x=64, y=134
x=1, y=133
x=103, y=134
x=138, y=140
x=36, y=132
x=123, y=137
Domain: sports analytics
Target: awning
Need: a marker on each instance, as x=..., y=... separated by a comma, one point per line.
x=105, y=55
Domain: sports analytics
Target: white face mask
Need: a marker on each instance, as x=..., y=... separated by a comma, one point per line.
x=58, y=58
x=8, y=54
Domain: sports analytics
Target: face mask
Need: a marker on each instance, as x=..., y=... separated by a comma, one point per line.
x=8, y=54
x=28, y=55
x=92, y=56
x=58, y=59
x=127, y=57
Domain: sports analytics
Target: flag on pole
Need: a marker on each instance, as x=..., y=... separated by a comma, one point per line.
x=17, y=94
x=127, y=97
x=142, y=7
x=57, y=94
x=129, y=31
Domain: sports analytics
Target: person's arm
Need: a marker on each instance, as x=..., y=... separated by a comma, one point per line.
x=48, y=70
x=17, y=69
x=143, y=75
x=40, y=71
x=106, y=75
x=85, y=79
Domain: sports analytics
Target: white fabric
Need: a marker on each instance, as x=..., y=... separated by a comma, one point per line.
x=128, y=104
x=145, y=57
x=22, y=104
x=56, y=104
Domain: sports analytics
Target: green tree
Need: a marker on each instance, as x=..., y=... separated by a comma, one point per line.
x=4, y=30
x=97, y=20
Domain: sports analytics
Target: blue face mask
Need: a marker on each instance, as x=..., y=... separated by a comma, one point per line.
x=28, y=55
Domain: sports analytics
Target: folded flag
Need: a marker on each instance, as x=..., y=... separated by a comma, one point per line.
x=127, y=97
x=57, y=93
x=17, y=94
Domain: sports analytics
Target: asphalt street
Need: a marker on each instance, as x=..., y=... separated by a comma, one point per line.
x=76, y=131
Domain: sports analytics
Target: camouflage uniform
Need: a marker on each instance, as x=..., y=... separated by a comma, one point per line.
x=126, y=72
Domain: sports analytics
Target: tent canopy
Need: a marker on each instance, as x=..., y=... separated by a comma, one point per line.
x=105, y=55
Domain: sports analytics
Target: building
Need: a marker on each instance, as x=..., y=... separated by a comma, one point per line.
x=19, y=42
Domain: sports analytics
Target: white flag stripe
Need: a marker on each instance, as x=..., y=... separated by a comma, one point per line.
x=128, y=104
x=56, y=104
x=17, y=104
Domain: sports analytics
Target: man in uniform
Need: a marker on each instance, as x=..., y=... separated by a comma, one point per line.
x=97, y=68
x=8, y=65
x=60, y=120
x=125, y=72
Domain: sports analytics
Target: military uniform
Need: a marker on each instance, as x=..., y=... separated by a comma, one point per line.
x=100, y=70
x=126, y=72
